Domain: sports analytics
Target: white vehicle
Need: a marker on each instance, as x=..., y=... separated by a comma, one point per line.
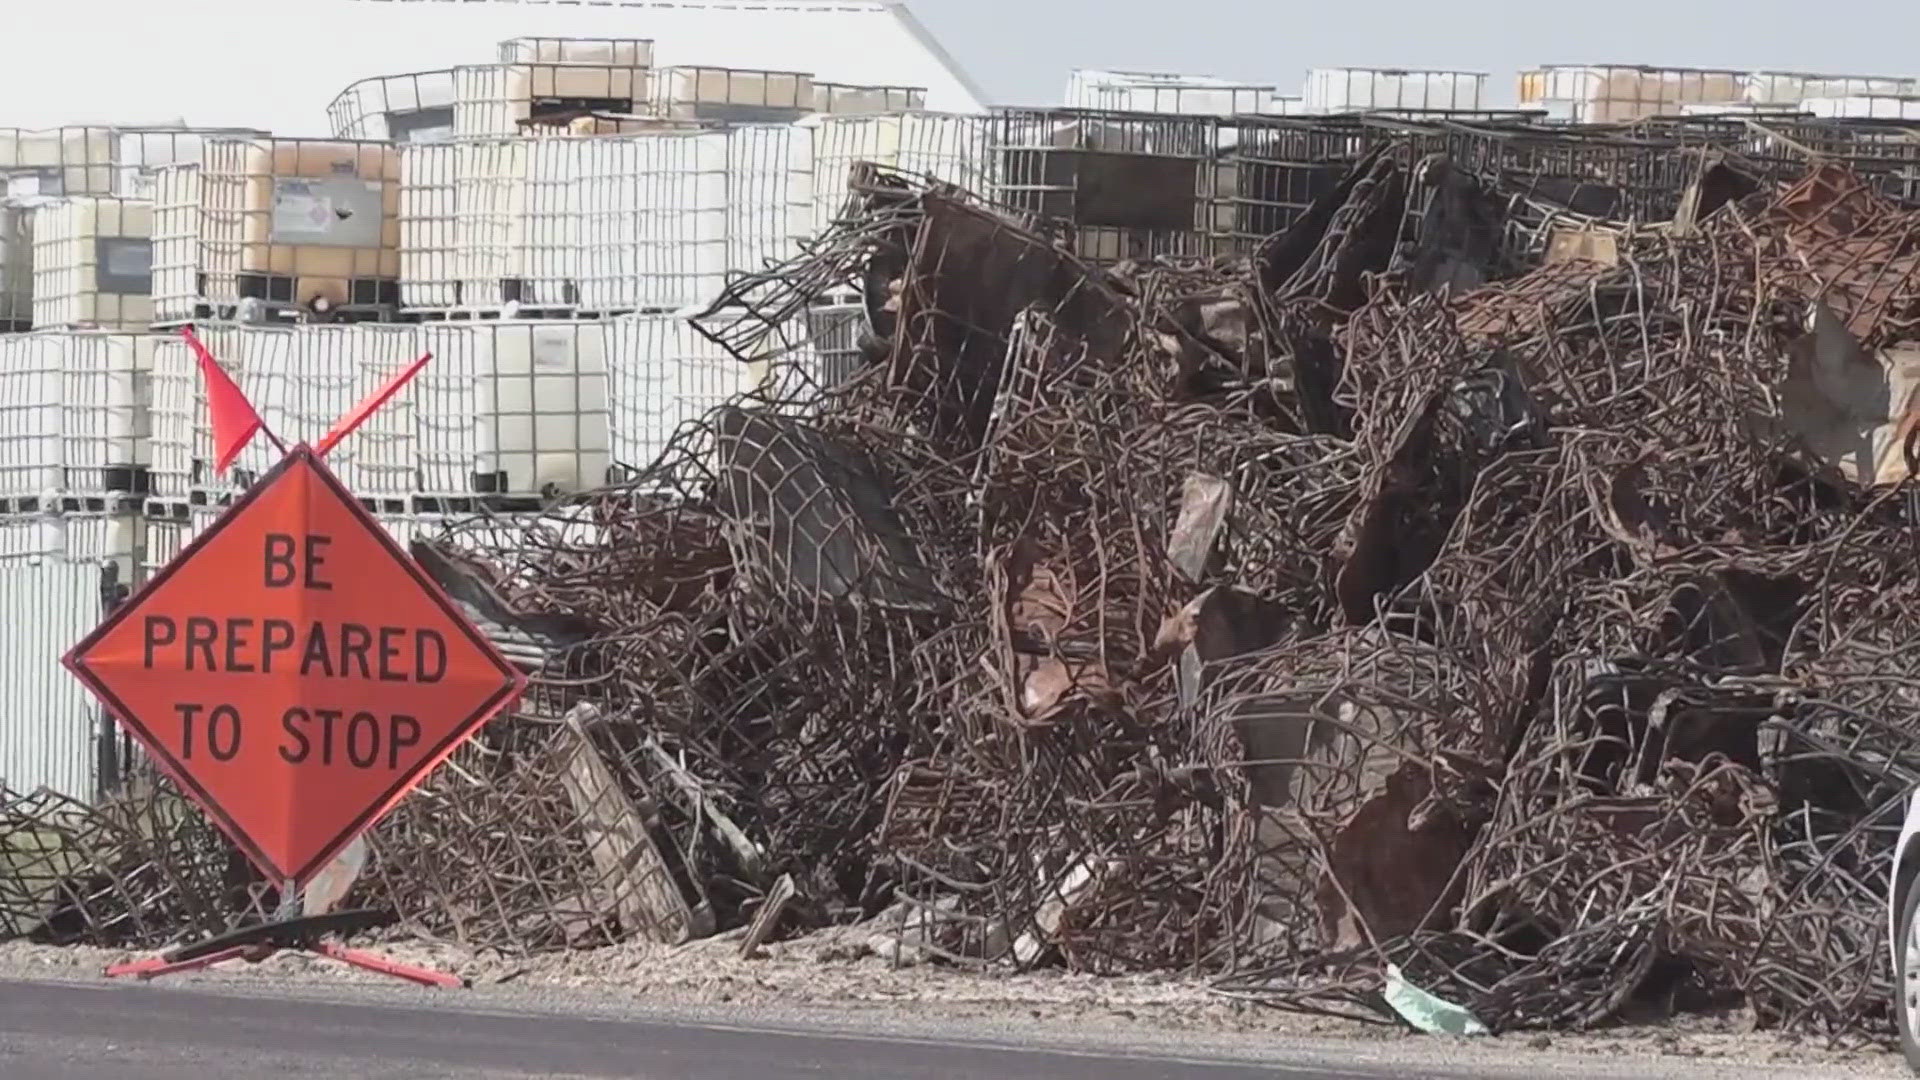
x=1903, y=905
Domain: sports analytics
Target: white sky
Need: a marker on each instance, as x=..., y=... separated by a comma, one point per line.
x=1021, y=50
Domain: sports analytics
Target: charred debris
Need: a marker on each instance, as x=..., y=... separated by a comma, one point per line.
x=1506, y=570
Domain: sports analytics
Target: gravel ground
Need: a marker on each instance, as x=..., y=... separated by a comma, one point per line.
x=834, y=975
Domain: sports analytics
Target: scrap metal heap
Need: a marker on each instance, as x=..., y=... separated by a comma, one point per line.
x=1518, y=603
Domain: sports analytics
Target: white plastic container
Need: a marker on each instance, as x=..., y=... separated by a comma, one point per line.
x=1790, y=88
x=175, y=405
x=290, y=222
x=140, y=153
x=93, y=264
x=950, y=148
x=303, y=379
x=1337, y=90
x=507, y=406
x=182, y=447
x=1601, y=94
x=91, y=537
x=490, y=208
x=604, y=52
x=493, y=101
x=1154, y=92
x=116, y=161
x=165, y=536
x=49, y=598
x=428, y=440
x=381, y=457
x=602, y=225
x=176, y=243
x=515, y=232
x=770, y=170
x=31, y=456
x=86, y=539
x=731, y=94
x=543, y=409
x=16, y=267
x=25, y=540
x=655, y=215
x=429, y=227
x=549, y=264
x=840, y=99
x=106, y=392
x=1864, y=107
x=413, y=108
x=666, y=374
x=446, y=397
x=57, y=163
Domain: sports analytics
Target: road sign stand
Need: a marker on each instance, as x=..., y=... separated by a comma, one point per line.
x=311, y=934
x=296, y=674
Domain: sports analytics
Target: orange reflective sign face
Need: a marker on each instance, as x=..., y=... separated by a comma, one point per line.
x=295, y=671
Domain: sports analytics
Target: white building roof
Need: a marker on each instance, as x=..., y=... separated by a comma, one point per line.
x=276, y=64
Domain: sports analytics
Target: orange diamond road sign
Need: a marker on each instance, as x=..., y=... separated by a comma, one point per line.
x=294, y=670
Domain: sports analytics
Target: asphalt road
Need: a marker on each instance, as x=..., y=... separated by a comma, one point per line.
x=116, y=1031
x=51, y=1031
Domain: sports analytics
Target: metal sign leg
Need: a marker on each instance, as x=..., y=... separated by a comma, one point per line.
x=312, y=934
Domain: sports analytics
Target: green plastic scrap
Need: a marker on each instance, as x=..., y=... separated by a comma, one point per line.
x=1427, y=1013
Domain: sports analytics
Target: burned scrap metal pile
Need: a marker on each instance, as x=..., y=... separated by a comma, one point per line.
x=1507, y=594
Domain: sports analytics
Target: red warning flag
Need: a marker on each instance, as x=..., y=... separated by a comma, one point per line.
x=234, y=421
x=369, y=405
